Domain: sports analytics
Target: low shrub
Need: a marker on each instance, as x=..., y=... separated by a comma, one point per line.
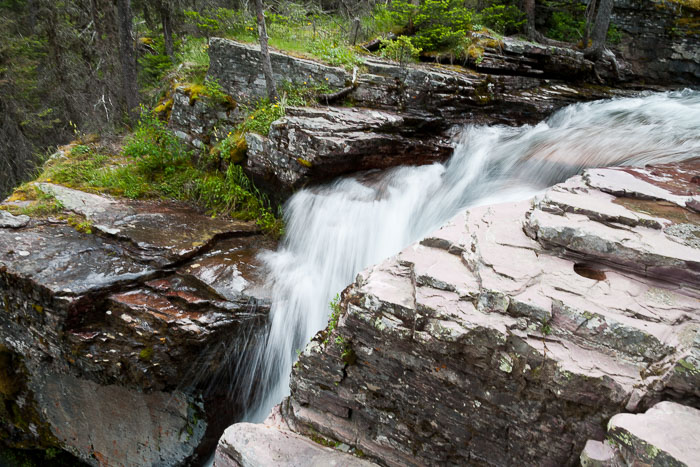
x=400, y=50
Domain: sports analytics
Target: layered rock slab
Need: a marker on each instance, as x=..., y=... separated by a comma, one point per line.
x=274, y=443
x=400, y=115
x=666, y=434
x=314, y=144
x=449, y=92
x=115, y=340
x=473, y=344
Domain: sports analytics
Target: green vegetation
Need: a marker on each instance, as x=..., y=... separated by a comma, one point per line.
x=146, y=354
x=569, y=24
x=503, y=18
x=80, y=90
x=546, y=328
x=38, y=203
x=80, y=224
x=400, y=50
x=153, y=164
x=333, y=320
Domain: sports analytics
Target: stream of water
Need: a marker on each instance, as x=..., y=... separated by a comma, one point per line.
x=335, y=231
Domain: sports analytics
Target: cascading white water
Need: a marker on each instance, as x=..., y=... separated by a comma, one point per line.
x=335, y=231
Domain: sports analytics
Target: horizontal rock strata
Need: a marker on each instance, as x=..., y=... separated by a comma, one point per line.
x=273, y=443
x=314, y=144
x=450, y=92
x=515, y=332
x=110, y=342
x=400, y=115
x=666, y=434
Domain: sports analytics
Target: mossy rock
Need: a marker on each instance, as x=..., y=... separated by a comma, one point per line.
x=146, y=354
x=10, y=381
x=22, y=425
x=238, y=151
x=164, y=108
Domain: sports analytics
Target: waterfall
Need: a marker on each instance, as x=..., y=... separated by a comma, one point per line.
x=334, y=231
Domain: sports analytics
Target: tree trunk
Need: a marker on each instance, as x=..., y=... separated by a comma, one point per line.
x=166, y=21
x=529, y=7
x=600, y=30
x=58, y=61
x=128, y=59
x=265, y=53
x=590, y=19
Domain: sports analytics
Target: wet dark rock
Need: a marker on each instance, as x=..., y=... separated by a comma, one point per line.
x=661, y=40
x=161, y=233
x=513, y=322
x=126, y=336
x=314, y=144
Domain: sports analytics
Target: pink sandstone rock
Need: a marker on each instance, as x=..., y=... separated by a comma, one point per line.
x=515, y=332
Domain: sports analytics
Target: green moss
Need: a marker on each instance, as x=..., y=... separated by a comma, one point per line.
x=193, y=90
x=24, y=417
x=231, y=149
x=38, y=204
x=483, y=92
x=146, y=354
x=38, y=308
x=323, y=441
x=80, y=223
x=163, y=109
x=652, y=451
x=210, y=89
x=348, y=356
x=305, y=163
x=10, y=381
x=686, y=366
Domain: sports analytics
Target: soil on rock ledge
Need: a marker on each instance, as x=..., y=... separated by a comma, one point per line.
x=125, y=337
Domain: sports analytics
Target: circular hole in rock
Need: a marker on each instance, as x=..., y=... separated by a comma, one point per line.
x=589, y=272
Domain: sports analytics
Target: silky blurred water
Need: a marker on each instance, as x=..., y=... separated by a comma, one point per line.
x=335, y=231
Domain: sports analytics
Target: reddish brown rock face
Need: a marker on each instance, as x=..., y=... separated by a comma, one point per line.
x=515, y=332
x=123, y=333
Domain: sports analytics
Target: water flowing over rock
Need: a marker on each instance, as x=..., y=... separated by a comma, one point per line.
x=100, y=332
x=400, y=116
x=520, y=319
x=500, y=326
